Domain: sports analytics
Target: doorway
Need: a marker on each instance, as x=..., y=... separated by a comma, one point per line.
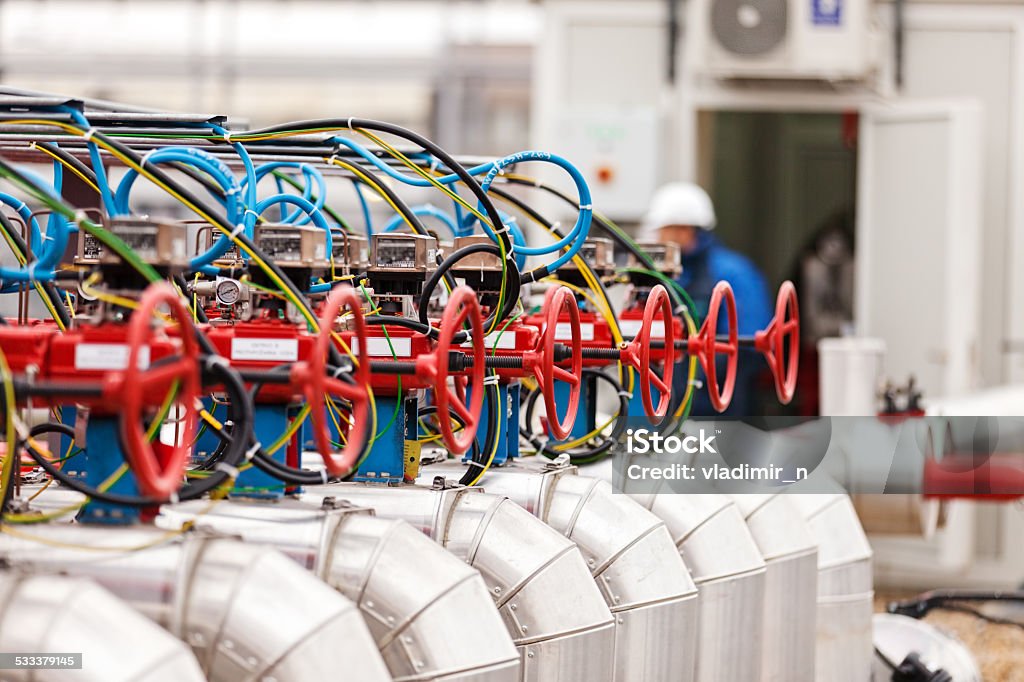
x=784, y=185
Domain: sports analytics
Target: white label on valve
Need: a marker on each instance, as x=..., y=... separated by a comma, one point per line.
x=106, y=356
x=631, y=328
x=494, y=340
x=269, y=350
x=379, y=347
x=563, y=331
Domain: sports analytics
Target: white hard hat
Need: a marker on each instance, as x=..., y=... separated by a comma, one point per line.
x=679, y=203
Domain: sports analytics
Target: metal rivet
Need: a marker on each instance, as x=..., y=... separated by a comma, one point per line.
x=523, y=629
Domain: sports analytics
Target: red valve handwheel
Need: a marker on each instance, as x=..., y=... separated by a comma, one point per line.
x=317, y=386
x=706, y=346
x=159, y=479
x=462, y=306
x=542, y=361
x=771, y=342
x=638, y=354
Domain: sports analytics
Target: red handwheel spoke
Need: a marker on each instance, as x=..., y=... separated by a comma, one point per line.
x=659, y=305
x=660, y=385
x=158, y=476
x=566, y=376
x=709, y=348
x=559, y=303
x=772, y=342
x=461, y=411
x=725, y=348
x=462, y=307
x=316, y=384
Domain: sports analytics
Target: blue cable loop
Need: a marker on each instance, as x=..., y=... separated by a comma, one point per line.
x=106, y=196
x=38, y=270
x=366, y=155
x=216, y=169
x=367, y=218
x=573, y=240
x=313, y=177
x=424, y=210
x=303, y=205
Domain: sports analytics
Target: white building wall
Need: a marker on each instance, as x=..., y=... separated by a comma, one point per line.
x=612, y=55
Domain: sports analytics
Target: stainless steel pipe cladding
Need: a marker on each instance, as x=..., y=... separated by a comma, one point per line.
x=791, y=557
x=412, y=593
x=633, y=560
x=729, y=572
x=845, y=588
x=536, y=577
x=248, y=612
x=51, y=614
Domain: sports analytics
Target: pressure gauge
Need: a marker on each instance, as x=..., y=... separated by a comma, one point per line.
x=228, y=292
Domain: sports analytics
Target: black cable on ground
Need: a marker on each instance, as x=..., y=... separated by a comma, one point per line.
x=587, y=455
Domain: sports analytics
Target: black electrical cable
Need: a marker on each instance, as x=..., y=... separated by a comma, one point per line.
x=233, y=457
x=51, y=427
x=69, y=159
x=471, y=183
x=295, y=476
x=589, y=455
x=414, y=325
x=445, y=267
x=490, y=439
x=953, y=600
x=222, y=222
x=476, y=455
x=479, y=457
x=600, y=220
x=48, y=288
x=403, y=208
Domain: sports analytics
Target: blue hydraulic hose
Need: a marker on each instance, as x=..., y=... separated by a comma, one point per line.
x=216, y=169
x=315, y=214
x=428, y=210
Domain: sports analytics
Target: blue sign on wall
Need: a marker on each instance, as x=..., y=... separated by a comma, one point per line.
x=826, y=12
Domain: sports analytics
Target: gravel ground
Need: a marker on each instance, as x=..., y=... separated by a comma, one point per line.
x=998, y=649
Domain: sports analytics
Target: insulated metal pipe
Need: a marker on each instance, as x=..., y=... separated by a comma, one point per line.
x=536, y=577
x=51, y=614
x=630, y=554
x=412, y=593
x=248, y=612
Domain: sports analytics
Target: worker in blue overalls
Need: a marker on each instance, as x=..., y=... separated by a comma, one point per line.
x=682, y=213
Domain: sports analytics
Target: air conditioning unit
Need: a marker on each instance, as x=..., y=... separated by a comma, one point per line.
x=786, y=39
